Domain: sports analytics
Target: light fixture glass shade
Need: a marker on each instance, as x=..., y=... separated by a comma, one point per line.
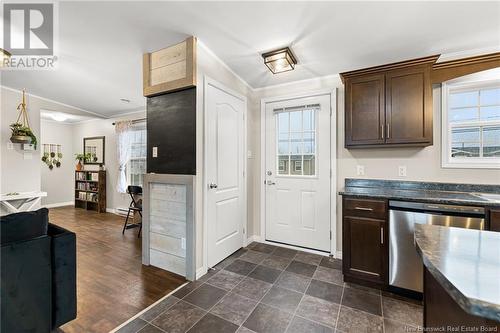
x=279, y=61
x=4, y=57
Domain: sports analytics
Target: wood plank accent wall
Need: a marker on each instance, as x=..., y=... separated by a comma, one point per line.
x=447, y=70
x=170, y=69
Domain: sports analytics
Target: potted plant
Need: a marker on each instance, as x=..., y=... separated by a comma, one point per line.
x=21, y=131
x=82, y=158
x=22, y=134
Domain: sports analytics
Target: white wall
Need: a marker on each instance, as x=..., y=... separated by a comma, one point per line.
x=423, y=164
x=210, y=65
x=104, y=127
x=58, y=182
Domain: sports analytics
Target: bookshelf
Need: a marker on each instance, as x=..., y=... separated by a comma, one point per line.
x=90, y=190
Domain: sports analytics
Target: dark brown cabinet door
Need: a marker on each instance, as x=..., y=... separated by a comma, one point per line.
x=408, y=106
x=494, y=219
x=364, y=248
x=364, y=105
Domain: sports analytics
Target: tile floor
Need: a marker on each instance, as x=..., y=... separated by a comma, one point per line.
x=265, y=288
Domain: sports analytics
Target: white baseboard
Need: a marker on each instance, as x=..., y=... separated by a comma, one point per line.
x=59, y=204
x=254, y=238
x=110, y=210
x=338, y=255
x=200, y=272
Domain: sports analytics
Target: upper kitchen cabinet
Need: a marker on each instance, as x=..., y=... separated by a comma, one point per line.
x=365, y=116
x=389, y=105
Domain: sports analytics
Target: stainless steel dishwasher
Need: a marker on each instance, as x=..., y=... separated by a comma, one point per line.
x=405, y=265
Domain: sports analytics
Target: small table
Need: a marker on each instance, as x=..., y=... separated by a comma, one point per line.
x=21, y=202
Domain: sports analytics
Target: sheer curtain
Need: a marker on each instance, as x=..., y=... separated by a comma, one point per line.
x=124, y=140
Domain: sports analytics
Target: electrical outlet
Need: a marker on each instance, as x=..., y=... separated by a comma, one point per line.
x=402, y=171
x=155, y=151
x=360, y=170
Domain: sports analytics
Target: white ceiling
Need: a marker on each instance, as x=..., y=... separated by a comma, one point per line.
x=101, y=43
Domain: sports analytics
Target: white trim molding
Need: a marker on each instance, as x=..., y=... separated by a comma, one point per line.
x=59, y=204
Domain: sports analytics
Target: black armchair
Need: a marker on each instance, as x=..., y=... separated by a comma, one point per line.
x=38, y=273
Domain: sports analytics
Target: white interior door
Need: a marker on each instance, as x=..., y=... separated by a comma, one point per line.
x=225, y=173
x=298, y=172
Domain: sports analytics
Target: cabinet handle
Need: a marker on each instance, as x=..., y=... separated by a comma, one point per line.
x=382, y=235
x=382, y=130
x=364, y=208
x=388, y=130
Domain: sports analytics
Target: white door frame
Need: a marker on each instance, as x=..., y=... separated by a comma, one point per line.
x=333, y=165
x=207, y=81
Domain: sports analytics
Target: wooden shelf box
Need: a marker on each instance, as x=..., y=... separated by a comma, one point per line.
x=90, y=190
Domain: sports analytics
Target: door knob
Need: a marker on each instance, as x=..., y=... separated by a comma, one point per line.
x=270, y=182
x=212, y=185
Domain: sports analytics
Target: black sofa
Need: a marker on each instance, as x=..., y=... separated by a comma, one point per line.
x=38, y=273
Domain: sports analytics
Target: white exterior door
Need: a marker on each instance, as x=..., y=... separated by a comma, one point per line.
x=298, y=163
x=225, y=177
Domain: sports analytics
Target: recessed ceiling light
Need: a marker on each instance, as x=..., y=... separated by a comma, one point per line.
x=280, y=61
x=124, y=100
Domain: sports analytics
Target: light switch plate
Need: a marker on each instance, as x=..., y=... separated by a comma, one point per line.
x=155, y=151
x=360, y=170
x=183, y=243
x=402, y=171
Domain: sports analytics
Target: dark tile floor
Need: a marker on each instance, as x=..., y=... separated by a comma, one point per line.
x=265, y=288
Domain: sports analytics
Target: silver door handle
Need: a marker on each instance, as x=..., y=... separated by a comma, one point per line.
x=364, y=208
x=269, y=182
x=382, y=235
x=212, y=185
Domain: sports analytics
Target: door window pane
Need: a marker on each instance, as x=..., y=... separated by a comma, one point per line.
x=283, y=163
x=296, y=141
x=296, y=121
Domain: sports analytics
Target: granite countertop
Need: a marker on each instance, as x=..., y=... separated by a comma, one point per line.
x=444, y=193
x=466, y=263
x=444, y=197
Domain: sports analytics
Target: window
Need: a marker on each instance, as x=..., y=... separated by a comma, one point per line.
x=136, y=166
x=471, y=125
x=296, y=140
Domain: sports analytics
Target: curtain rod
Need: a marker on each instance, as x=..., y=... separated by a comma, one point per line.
x=134, y=121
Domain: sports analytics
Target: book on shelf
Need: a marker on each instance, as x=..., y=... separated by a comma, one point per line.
x=92, y=197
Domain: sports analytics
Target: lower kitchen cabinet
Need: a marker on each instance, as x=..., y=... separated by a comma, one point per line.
x=494, y=219
x=365, y=245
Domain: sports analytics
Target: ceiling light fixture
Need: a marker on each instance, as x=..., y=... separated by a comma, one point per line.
x=58, y=116
x=4, y=57
x=280, y=61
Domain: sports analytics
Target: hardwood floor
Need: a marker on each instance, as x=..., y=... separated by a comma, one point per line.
x=112, y=283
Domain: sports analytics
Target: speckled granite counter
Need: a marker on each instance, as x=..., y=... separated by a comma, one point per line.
x=444, y=193
x=466, y=263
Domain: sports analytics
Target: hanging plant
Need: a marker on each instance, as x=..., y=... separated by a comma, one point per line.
x=21, y=131
x=52, y=155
